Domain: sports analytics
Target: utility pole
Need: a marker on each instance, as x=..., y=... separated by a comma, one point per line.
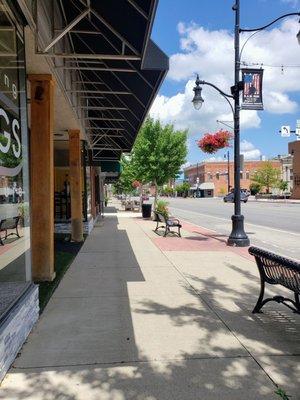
x=227, y=155
x=197, y=180
x=237, y=237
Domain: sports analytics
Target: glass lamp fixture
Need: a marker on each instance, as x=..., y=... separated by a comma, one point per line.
x=198, y=99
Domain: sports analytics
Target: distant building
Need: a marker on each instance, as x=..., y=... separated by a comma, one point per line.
x=294, y=150
x=286, y=170
x=213, y=176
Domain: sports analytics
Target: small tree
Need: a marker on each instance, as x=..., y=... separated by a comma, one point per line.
x=266, y=176
x=255, y=188
x=183, y=189
x=159, y=152
x=283, y=185
x=127, y=177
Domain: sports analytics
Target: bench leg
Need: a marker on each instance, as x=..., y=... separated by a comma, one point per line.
x=17, y=232
x=157, y=223
x=166, y=231
x=297, y=302
x=1, y=242
x=179, y=234
x=260, y=301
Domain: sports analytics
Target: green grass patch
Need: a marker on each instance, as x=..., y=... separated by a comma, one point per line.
x=46, y=289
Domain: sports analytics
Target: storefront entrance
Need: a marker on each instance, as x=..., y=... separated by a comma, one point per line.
x=15, y=265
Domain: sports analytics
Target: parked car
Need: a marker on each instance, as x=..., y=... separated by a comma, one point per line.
x=229, y=198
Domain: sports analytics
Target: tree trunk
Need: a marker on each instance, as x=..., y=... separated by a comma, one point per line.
x=155, y=196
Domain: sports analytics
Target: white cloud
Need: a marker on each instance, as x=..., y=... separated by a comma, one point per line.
x=185, y=165
x=249, y=151
x=210, y=53
x=214, y=159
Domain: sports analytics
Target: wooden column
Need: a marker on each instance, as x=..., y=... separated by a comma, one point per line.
x=93, y=194
x=75, y=185
x=42, y=177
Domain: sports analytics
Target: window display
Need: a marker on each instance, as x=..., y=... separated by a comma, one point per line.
x=14, y=181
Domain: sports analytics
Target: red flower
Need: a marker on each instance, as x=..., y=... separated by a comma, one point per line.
x=212, y=142
x=136, y=184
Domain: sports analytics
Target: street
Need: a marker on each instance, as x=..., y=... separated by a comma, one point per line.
x=274, y=226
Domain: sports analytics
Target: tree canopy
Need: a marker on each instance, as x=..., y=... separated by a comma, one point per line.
x=159, y=152
x=266, y=176
x=128, y=176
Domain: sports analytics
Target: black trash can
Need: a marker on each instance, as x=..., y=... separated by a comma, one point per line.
x=146, y=210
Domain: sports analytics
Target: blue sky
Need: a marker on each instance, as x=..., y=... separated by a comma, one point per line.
x=197, y=35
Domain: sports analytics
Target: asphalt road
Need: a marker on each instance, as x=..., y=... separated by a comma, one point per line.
x=274, y=226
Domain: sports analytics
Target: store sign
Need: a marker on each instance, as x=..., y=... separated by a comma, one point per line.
x=8, y=86
x=285, y=131
x=10, y=145
x=252, y=89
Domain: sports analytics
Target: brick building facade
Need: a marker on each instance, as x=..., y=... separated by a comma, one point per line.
x=213, y=176
x=294, y=150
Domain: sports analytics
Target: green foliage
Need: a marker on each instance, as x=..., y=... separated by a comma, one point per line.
x=282, y=394
x=266, y=176
x=8, y=159
x=255, y=188
x=183, y=188
x=162, y=207
x=128, y=176
x=168, y=191
x=283, y=185
x=159, y=152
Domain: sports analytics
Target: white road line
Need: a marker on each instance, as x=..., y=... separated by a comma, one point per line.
x=247, y=223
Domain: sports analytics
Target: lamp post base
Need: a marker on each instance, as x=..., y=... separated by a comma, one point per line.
x=238, y=236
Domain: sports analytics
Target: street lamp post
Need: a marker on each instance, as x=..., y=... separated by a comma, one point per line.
x=197, y=181
x=238, y=236
x=227, y=155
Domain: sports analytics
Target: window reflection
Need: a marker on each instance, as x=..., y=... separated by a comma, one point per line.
x=14, y=183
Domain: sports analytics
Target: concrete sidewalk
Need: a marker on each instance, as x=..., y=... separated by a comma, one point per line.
x=139, y=316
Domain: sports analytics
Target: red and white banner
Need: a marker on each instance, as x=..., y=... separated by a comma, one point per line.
x=252, y=92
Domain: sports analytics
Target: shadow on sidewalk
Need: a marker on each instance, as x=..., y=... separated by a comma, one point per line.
x=92, y=314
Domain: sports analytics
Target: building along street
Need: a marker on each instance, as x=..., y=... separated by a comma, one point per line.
x=273, y=226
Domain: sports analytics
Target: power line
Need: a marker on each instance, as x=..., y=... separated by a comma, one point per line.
x=257, y=64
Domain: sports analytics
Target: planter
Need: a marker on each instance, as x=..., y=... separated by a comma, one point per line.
x=146, y=210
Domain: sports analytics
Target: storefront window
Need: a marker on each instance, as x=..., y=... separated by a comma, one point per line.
x=15, y=265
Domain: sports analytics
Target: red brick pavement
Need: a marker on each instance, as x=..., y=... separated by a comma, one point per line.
x=201, y=239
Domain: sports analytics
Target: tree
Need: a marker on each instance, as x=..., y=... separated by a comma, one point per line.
x=127, y=177
x=283, y=185
x=255, y=188
x=266, y=176
x=183, y=189
x=158, y=153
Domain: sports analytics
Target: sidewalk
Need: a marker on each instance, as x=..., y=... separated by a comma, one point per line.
x=143, y=317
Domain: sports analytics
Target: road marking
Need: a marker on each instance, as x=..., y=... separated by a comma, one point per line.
x=247, y=223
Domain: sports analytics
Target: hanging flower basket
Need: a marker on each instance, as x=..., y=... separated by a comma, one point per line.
x=212, y=142
x=136, y=184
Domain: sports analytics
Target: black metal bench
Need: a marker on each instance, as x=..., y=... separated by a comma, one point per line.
x=168, y=223
x=277, y=270
x=9, y=223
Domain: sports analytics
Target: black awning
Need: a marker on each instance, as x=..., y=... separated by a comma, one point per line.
x=120, y=68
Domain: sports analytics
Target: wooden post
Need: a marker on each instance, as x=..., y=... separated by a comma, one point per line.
x=93, y=193
x=42, y=177
x=75, y=185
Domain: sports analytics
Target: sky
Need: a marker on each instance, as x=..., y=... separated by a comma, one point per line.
x=197, y=35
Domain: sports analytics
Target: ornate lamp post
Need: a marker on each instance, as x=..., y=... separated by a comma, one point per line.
x=238, y=236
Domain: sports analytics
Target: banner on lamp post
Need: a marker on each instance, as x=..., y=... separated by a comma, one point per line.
x=252, y=89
